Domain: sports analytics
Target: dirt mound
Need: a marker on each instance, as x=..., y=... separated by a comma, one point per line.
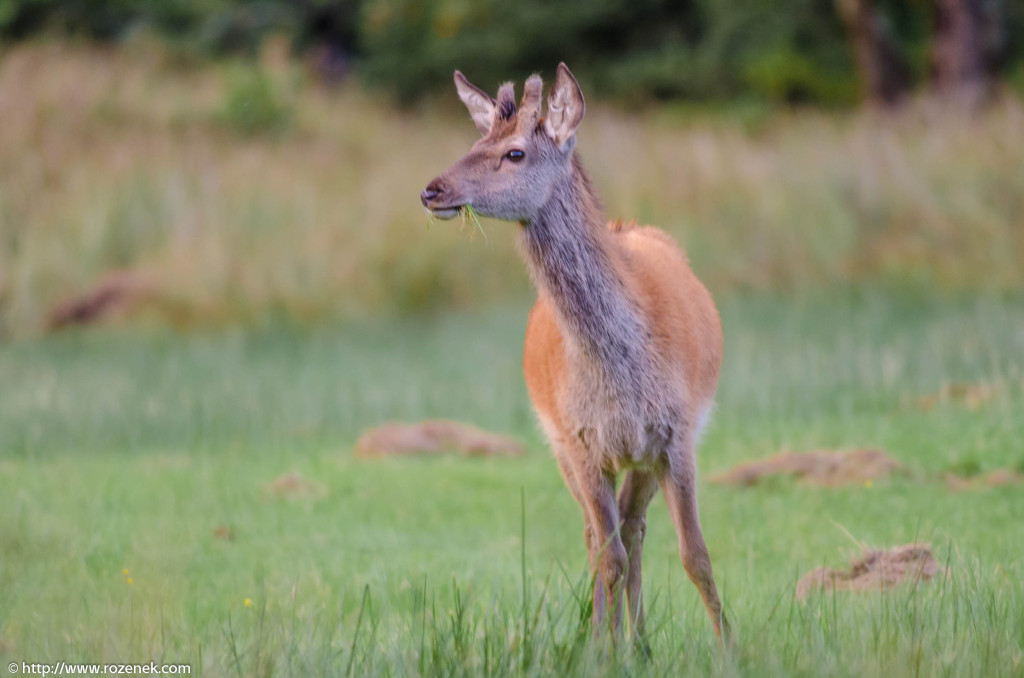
x=972, y=394
x=116, y=294
x=434, y=437
x=291, y=485
x=224, y=532
x=997, y=478
x=875, y=570
x=821, y=467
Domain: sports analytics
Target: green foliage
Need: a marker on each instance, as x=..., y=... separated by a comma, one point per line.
x=411, y=46
x=789, y=77
x=206, y=25
x=656, y=49
x=778, y=50
x=1015, y=79
x=253, y=105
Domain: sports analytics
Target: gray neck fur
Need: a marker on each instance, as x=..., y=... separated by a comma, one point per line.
x=568, y=251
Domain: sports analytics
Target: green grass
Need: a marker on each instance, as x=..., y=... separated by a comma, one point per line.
x=126, y=450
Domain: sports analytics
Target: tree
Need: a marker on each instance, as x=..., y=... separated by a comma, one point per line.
x=968, y=38
x=883, y=69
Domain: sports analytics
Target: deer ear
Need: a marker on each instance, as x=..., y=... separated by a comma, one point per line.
x=565, y=107
x=481, y=106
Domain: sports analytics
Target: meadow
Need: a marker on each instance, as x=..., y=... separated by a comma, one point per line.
x=137, y=521
x=243, y=192
x=863, y=265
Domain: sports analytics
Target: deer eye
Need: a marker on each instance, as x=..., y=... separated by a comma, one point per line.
x=515, y=155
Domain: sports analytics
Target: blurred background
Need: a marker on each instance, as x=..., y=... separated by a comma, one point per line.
x=212, y=162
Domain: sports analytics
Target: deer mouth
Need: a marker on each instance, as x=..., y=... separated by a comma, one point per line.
x=445, y=212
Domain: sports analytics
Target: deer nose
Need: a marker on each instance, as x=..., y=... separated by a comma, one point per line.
x=432, y=191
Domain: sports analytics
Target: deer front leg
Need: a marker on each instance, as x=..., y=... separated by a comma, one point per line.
x=597, y=588
x=589, y=537
x=597, y=490
x=637, y=491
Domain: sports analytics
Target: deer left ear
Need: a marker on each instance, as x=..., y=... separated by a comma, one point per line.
x=565, y=107
x=481, y=106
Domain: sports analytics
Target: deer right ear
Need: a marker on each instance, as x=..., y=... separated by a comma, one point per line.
x=481, y=106
x=565, y=107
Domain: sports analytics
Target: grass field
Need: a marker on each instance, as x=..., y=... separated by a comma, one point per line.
x=127, y=457
x=245, y=191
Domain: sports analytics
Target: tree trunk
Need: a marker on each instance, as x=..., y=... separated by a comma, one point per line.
x=967, y=36
x=883, y=69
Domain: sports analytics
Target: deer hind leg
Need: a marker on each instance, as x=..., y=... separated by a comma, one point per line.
x=638, y=489
x=679, y=487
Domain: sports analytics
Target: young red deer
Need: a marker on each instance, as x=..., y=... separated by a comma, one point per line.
x=623, y=346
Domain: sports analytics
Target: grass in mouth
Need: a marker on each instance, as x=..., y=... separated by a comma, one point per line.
x=468, y=210
x=465, y=210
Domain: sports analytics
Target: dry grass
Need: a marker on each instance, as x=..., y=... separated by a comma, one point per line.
x=122, y=160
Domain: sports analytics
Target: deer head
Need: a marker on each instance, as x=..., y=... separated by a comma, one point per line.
x=510, y=172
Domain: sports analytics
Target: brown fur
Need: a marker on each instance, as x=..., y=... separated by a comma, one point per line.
x=623, y=346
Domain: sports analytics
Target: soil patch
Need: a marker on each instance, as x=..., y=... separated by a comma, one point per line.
x=875, y=570
x=117, y=294
x=291, y=485
x=971, y=394
x=997, y=478
x=224, y=532
x=820, y=467
x=436, y=436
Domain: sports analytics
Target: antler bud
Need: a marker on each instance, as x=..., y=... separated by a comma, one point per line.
x=529, y=107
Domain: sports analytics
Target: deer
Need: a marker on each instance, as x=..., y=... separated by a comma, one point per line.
x=623, y=346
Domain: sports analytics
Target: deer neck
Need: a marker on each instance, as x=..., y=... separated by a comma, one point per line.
x=575, y=261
